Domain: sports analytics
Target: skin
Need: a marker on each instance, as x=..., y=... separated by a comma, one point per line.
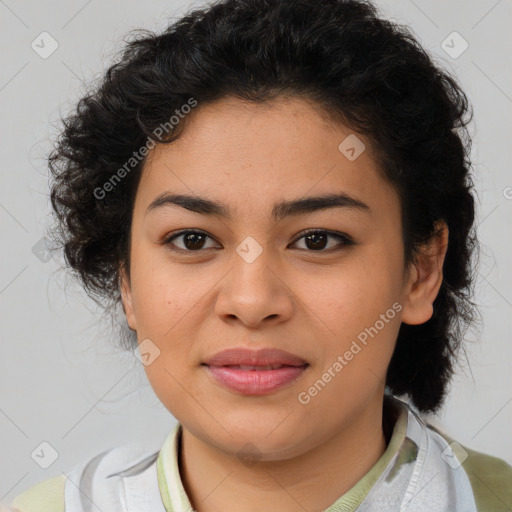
x=310, y=302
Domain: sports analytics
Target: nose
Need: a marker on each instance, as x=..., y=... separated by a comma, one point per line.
x=254, y=292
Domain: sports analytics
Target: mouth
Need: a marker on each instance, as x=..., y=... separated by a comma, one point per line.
x=259, y=368
x=256, y=379
x=255, y=372
x=266, y=358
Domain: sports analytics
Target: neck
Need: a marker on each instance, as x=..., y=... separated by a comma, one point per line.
x=216, y=480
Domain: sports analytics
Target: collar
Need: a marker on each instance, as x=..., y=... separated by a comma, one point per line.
x=175, y=498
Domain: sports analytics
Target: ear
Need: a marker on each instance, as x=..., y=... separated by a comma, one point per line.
x=426, y=277
x=126, y=297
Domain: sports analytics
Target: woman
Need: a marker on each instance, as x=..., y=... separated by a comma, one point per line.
x=279, y=195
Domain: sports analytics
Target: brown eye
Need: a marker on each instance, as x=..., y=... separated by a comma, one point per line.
x=192, y=241
x=317, y=240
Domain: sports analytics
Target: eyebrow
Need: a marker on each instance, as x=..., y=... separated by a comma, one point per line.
x=280, y=210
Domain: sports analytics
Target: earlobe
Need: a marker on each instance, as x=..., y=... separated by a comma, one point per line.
x=126, y=298
x=426, y=277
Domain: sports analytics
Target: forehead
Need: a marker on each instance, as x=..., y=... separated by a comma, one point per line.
x=249, y=155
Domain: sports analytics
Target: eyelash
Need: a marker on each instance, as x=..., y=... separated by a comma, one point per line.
x=344, y=239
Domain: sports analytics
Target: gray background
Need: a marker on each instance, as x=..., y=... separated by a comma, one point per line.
x=60, y=379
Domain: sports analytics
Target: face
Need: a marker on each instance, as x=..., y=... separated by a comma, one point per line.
x=258, y=280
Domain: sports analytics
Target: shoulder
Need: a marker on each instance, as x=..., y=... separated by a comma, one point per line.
x=92, y=475
x=490, y=477
x=45, y=496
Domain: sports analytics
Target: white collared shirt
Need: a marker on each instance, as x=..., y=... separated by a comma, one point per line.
x=420, y=470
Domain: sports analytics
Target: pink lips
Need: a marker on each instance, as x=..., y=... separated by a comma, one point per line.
x=255, y=372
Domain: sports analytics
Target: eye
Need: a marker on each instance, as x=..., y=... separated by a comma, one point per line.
x=316, y=240
x=193, y=241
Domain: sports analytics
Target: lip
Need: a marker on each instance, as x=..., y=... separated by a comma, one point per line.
x=252, y=381
x=261, y=357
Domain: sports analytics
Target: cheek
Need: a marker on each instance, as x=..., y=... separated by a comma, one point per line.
x=359, y=304
x=160, y=297
x=355, y=294
x=166, y=304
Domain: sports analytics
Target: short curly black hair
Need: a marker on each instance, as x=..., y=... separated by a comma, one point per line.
x=359, y=69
